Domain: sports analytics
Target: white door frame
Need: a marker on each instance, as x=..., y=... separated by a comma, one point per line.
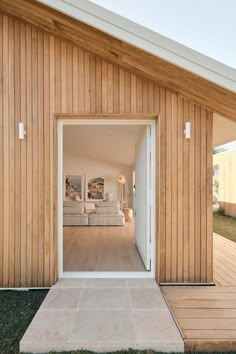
x=107, y=274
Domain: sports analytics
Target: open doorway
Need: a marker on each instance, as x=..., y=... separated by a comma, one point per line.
x=106, y=198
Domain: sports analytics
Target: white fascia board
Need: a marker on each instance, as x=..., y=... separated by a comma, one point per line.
x=147, y=40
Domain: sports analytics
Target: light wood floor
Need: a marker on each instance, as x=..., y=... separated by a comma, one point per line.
x=206, y=315
x=101, y=248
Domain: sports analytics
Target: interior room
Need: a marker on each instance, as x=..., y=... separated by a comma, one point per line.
x=105, y=216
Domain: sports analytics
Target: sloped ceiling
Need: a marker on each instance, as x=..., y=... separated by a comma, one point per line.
x=113, y=144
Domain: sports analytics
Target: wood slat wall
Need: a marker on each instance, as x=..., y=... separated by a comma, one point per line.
x=227, y=187
x=185, y=188
x=176, y=79
x=41, y=75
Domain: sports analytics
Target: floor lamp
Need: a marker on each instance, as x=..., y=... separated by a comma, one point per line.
x=122, y=191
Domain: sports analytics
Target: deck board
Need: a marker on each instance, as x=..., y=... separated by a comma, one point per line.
x=224, y=261
x=206, y=315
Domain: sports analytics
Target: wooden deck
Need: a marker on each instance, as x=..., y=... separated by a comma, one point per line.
x=224, y=261
x=206, y=315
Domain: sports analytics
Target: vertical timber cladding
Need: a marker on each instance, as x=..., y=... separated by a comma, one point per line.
x=42, y=75
x=185, y=239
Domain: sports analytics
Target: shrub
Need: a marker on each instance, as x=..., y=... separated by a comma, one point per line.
x=220, y=211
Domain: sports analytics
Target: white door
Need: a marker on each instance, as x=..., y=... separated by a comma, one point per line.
x=142, y=196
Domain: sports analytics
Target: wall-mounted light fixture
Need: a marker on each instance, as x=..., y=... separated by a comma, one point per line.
x=187, y=130
x=22, y=131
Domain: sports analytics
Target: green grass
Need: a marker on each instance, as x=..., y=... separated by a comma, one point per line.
x=17, y=309
x=225, y=226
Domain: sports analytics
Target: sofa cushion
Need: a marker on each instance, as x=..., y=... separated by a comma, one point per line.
x=108, y=204
x=73, y=207
x=106, y=219
x=89, y=206
x=107, y=210
x=72, y=202
x=79, y=220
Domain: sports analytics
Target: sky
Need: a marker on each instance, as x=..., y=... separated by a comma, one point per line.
x=208, y=26
x=229, y=146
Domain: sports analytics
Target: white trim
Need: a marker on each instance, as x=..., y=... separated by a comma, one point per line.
x=108, y=274
x=153, y=194
x=60, y=198
x=106, y=121
x=103, y=275
x=148, y=40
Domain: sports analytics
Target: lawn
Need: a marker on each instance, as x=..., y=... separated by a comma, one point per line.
x=225, y=226
x=17, y=308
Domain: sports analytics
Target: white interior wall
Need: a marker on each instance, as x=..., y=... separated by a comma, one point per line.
x=74, y=164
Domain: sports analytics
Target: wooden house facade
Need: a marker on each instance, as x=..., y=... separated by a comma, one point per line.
x=52, y=64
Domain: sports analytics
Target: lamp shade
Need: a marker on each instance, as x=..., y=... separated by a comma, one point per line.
x=121, y=179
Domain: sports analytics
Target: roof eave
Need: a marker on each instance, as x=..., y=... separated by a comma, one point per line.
x=147, y=40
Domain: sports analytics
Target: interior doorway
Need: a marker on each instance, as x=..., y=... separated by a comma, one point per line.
x=106, y=198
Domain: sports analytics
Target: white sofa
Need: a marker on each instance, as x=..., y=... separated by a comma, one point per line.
x=107, y=214
x=104, y=214
x=74, y=213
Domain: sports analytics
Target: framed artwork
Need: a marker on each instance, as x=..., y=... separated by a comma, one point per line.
x=74, y=186
x=95, y=188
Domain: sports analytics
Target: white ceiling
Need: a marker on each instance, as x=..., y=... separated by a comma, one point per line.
x=107, y=143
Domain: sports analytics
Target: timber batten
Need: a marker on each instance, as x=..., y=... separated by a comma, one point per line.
x=178, y=80
x=43, y=75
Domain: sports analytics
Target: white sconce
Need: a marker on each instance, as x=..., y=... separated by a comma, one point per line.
x=22, y=131
x=187, y=130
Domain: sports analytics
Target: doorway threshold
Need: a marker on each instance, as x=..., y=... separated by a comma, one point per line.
x=109, y=275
